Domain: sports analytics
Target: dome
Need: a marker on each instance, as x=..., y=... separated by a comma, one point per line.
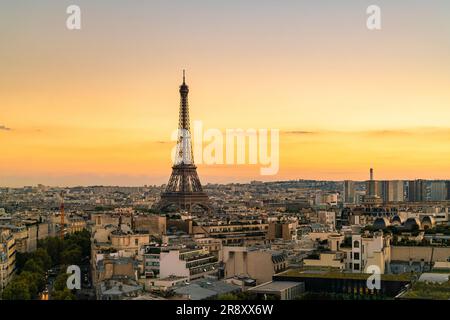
x=397, y=220
x=428, y=222
x=412, y=223
x=381, y=223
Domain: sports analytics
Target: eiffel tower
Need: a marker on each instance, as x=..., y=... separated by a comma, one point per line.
x=184, y=190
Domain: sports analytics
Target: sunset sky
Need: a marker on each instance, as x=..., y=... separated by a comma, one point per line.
x=98, y=105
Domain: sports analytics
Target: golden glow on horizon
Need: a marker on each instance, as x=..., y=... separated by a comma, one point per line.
x=99, y=106
x=315, y=155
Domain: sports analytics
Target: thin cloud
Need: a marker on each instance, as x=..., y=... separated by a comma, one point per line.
x=299, y=132
x=379, y=133
x=5, y=128
x=385, y=133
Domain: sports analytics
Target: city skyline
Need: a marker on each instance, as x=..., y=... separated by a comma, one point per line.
x=215, y=159
x=98, y=106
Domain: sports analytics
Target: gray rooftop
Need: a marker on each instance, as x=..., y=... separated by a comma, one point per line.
x=275, y=286
x=434, y=277
x=204, y=288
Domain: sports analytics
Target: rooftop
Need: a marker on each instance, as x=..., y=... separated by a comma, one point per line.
x=172, y=278
x=434, y=277
x=329, y=273
x=426, y=290
x=205, y=288
x=275, y=286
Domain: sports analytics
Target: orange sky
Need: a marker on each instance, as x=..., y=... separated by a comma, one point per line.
x=98, y=106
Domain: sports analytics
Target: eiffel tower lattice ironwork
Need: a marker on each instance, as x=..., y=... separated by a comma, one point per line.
x=184, y=189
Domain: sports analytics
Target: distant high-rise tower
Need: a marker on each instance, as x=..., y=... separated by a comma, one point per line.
x=447, y=187
x=371, y=185
x=391, y=191
x=438, y=191
x=417, y=190
x=184, y=189
x=349, y=192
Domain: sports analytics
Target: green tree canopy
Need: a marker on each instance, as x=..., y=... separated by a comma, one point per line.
x=17, y=290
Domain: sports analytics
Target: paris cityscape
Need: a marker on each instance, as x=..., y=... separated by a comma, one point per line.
x=111, y=188
x=284, y=240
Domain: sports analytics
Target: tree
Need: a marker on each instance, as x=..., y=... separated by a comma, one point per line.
x=60, y=282
x=34, y=281
x=64, y=294
x=52, y=251
x=33, y=266
x=21, y=259
x=17, y=290
x=61, y=292
x=53, y=246
x=227, y=296
x=41, y=255
x=237, y=296
x=71, y=256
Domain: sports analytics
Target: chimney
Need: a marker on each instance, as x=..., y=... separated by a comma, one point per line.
x=371, y=173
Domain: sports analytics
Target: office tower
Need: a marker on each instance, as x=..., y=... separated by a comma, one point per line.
x=447, y=187
x=371, y=185
x=384, y=190
x=184, y=190
x=391, y=191
x=349, y=191
x=396, y=191
x=416, y=191
x=438, y=190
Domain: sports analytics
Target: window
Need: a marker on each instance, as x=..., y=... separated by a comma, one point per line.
x=356, y=255
x=355, y=244
x=356, y=266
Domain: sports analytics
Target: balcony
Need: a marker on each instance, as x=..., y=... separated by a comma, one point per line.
x=209, y=268
x=211, y=259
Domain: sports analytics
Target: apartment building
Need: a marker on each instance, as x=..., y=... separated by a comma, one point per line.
x=213, y=245
x=286, y=230
x=353, y=253
x=7, y=257
x=151, y=260
x=370, y=250
x=128, y=241
x=327, y=218
x=76, y=224
x=192, y=263
x=254, y=262
x=152, y=224
x=332, y=259
x=235, y=232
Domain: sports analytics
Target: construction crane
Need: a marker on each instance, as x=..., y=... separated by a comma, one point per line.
x=62, y=216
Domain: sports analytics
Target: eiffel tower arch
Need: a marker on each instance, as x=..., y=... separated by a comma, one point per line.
x=184, y=190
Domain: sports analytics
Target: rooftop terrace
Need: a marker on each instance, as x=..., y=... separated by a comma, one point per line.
x=329, y=273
